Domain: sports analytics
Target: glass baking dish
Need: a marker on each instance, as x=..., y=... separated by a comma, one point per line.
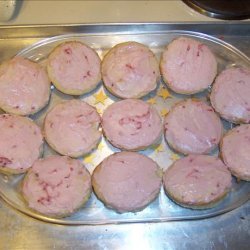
x=162, y=209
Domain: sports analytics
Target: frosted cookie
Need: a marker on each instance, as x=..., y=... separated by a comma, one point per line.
x=20, y=145
x=72, y=128
x=127, y=181
x=192, y=127
x=74, y=68
x=197, y=181
x=235, y=151
x=130, y=70
x=188, y=66
x=230, y=95
x=24, y=86
x=131, y=124
x=56, y=186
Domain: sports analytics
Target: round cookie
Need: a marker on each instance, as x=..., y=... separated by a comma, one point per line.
x=230, y=95
x=74, y=68
x=131, y=124
x=130, y=70
x=188, y=66
x=235, y=150
x=192, y=127
x=24, y=86
x=72, y=128
x=20, y=145
x=197, y=181
x=56, y=186
x=127, y=181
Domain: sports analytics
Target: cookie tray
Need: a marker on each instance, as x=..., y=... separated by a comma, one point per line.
x=35, y=42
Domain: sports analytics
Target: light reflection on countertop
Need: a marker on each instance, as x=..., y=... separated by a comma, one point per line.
x=21, y=232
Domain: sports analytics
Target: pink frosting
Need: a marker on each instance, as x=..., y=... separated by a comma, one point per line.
x=130, y=70
x=197, y=179
x=235, y=151
x=193, y=127
x=56, y=185
x=127, y=181
x=75, y=66
x=21, y=143
x=131, y=124
x=188, y=66
x=231, y=94
x=72, y=128
x=24, y=86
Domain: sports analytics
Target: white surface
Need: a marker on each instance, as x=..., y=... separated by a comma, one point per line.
x=7, y=8
x=80, y=11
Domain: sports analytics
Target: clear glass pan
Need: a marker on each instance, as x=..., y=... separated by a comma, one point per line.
x=162, y=209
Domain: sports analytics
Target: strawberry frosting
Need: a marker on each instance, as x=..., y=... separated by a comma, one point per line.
x=197, y=180
x=231, y=94
x=193, y=127
x=235, y=148
x=130, y=70
x=127, y=181
x=188, y=66
x=74, y=67
x=56, y=186
x=72, y=128
x=21, y=143
x=24, y=86
x=131, y=124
